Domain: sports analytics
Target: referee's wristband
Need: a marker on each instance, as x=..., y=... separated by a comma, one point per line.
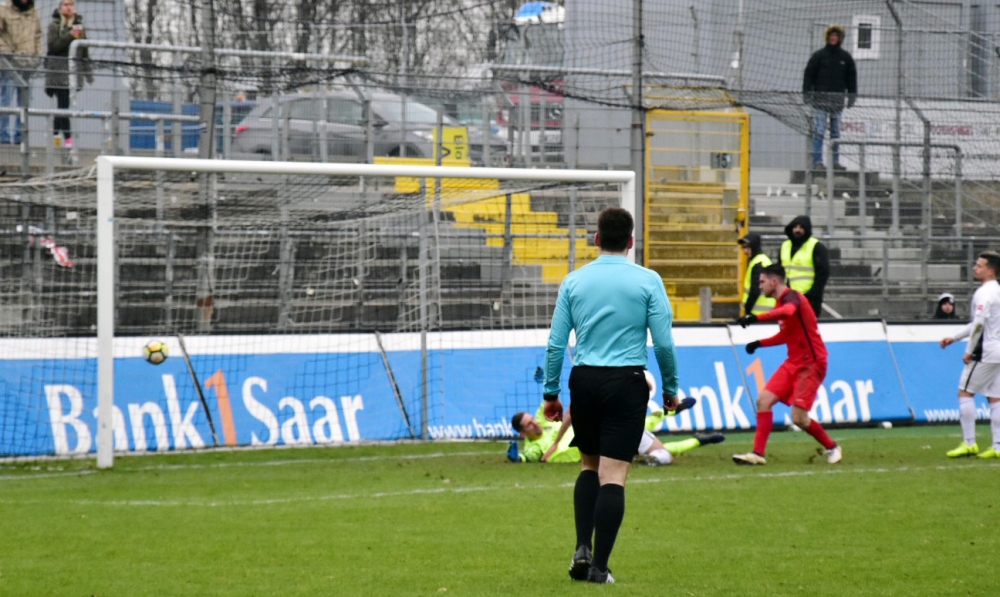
x=550, y=397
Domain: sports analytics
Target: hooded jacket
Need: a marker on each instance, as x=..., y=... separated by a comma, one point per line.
x=21, y=33
x=57, y=59
x=821, y=261
x=753, y=241
x=939, y=312
x=829, y=74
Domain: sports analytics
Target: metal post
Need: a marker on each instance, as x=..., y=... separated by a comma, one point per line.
x=958, y=193
x=25, y=91
x=487, y=132
x=808, y=176
x=541, y=126
x=315, y=153
x=830, y=213
x=168, y=283
x=114, y=142
x=524, y=120
x=926, y=219
x=638, y=137
x=705, y=304
x=206, y=83
x=227, y=128
x=370, y=132
x=508, y=254
x=862, y=193
x=161, y=201
x=573, y=198
x=286, y=133
x=177, y=128
x=50, y=166
x=275, y=128
x=324, y=119
x=424, y=320
x=894, y=229
x=885, y=276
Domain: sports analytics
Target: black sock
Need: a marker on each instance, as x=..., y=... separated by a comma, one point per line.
x=588, y=484
x=608, y=515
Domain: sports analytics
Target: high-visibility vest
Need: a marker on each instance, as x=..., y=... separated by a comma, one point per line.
x=763, y=303
x=799, y=267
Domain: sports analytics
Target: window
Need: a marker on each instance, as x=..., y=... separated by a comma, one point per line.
x=867, y=37
x=303, y=109
x=345, y=111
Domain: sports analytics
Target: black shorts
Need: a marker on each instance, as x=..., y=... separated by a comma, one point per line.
x=608, y=406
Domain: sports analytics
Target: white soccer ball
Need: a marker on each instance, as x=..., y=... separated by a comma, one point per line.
x=155, y=352
x=886, y=425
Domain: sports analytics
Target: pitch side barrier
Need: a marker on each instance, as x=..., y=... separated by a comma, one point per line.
x=333, y=389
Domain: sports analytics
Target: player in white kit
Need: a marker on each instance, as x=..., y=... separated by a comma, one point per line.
x=982, y=358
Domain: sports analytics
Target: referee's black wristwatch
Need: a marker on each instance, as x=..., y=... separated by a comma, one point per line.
x=550, y=397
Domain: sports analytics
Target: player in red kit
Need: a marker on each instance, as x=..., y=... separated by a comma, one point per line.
x=796, y=382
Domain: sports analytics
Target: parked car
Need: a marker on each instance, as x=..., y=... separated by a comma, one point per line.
x=345, y=128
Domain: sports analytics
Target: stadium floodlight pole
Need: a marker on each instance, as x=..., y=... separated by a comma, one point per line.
x=107, y=166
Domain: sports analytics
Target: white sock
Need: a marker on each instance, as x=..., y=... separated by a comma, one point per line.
x=967, y=417
x=661, y=456
x=995, y=424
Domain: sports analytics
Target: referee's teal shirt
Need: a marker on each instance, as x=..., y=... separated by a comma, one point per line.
x=610, y=303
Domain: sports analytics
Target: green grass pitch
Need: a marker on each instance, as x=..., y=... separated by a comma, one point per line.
x=896, y=518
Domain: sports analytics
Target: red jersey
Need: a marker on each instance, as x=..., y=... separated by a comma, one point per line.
x=799, y=329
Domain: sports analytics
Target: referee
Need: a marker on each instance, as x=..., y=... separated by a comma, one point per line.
x=609, y=303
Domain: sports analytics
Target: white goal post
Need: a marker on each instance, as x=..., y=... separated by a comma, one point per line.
x=109, y=166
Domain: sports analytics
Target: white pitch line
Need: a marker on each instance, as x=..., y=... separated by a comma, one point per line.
x=165, y=467
x=516, y=486
x=44, y=475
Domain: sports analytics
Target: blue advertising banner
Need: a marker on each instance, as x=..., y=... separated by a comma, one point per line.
x=861, y=384
x=932, y=374
x=311, y=390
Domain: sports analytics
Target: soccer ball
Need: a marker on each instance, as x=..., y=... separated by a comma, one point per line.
x=155, y=352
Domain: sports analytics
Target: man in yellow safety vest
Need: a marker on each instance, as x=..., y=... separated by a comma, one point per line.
x=806, y=261
x=753, y=301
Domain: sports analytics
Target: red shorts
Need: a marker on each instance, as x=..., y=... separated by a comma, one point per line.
x=796, y=385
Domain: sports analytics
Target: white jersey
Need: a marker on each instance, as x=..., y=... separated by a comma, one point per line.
x=984, y=329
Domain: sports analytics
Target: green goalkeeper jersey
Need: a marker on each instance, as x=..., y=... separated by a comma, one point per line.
x=534, y=449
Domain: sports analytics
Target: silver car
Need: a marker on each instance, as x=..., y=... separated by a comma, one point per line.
x=344, y=126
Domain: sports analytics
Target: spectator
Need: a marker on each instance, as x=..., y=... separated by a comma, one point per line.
x=757, y=260
x=946, y=307
x=20, y=47
x=65, y=28
x=806, y=261
x=829, y=74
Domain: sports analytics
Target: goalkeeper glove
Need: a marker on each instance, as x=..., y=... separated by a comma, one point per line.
x=753, y=346
x=746, y=320
x=512, y=452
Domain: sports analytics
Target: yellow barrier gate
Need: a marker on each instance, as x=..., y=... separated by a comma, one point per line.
x=697, y=196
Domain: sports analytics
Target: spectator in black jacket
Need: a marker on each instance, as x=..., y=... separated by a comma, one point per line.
x=946, y=307
x=806, y=261
x=829, y=74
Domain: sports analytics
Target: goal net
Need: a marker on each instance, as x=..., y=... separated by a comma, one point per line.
x=298, y=304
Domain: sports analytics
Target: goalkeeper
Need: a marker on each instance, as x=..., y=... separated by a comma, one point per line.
x=549, y=441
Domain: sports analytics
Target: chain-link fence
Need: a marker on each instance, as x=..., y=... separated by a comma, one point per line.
x=534, y=84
